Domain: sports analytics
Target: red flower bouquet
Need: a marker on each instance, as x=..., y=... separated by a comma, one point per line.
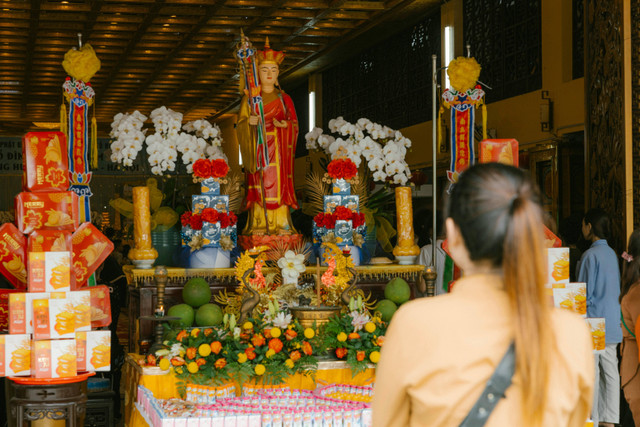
x=342, y=169
x=205, y=168
x=219, y=168
x=202, y=168
x=210, y=215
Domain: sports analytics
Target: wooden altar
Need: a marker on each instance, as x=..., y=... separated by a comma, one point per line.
x=142, y=289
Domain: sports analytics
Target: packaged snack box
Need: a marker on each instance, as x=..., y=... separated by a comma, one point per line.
x=558, y=265
x=50, y=271
x=499, y=150
x=55, y=358
x=13, y=255
x=49, y=241
x=15, y=355
x=563, y=298
x=579, y=294
x=45, y=162
x=81, y=303
x=94, y=350
x=90, y=249
x=100, y=306
x=597, y=326
x=4, y=308
x=53, y=318
x=50, y=211
x=21, y=310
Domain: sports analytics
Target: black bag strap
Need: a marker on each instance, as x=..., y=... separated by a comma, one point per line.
x=493, y=391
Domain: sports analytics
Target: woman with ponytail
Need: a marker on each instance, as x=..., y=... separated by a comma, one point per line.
x=630, y=307
x=440, y=352
x=598, y=268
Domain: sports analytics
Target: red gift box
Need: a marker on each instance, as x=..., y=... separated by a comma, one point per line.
x=100, y=305
x=49, y=261
x=50, y=241
x=90, y=249
x=499, y=150
x=13, y=255
x=48, y=211
x=45, y=162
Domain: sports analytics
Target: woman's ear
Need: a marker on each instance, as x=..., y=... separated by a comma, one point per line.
x=455, y=242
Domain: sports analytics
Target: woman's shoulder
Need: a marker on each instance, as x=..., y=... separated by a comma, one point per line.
x=572, y=332
x=633, y=295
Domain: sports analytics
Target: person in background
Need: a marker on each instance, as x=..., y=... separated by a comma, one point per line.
x=570, y=234
x=630, y=307
x=426, y=253
x=598, y=268
x=440, y=352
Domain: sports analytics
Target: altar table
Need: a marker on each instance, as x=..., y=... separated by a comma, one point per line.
x=142, y=289
x=164, y=386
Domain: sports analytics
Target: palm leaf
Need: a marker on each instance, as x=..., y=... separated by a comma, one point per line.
x=233, y=188
x=315, y=189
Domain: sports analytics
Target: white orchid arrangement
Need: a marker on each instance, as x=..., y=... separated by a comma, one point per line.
x=383, y=148
x=291, y=266
x=128, y=137
x=200, y=139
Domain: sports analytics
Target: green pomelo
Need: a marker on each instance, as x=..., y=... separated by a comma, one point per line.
x=196, y=292
x=386, y=308
x=209, y=315
x=397, y=290
x=185, y=312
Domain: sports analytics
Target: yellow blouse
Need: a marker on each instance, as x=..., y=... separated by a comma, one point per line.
x=439, y=353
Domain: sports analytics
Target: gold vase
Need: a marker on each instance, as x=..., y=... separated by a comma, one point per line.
x=310, y=315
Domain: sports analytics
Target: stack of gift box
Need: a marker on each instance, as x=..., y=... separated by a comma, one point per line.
x=278, y=407
x=212, y=224
x=49, y=257
x=341, y=217
x=572, y=296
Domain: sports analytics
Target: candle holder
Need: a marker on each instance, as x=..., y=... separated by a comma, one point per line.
x=161, y=277
x=430, y=276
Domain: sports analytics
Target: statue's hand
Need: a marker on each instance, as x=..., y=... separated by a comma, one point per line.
x=253, y=120
x=280, y=124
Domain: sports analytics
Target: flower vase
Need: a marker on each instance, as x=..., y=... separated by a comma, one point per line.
x=167, y=243
x=210, y=258
x=406, y=251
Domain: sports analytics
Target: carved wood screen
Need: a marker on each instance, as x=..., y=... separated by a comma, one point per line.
x=505, y=38
x=604, y=95
x=577, y=40
x=635, y=106
x=389, y=83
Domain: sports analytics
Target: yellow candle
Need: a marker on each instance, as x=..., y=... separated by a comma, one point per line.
x=318, y=281
x=404, y=213
x=142, y=226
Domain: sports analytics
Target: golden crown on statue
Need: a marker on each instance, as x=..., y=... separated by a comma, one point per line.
x=270, y=56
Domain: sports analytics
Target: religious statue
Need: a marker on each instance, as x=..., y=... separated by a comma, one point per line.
x=267, y=132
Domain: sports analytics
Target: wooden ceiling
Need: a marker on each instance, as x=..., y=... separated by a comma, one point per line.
x=177, y=53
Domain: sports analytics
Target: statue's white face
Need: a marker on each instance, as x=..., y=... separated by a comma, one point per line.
x=268, y=74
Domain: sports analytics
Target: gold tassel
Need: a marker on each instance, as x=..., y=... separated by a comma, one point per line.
x=94, y=143
x=484, y=121
x=64, y=125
